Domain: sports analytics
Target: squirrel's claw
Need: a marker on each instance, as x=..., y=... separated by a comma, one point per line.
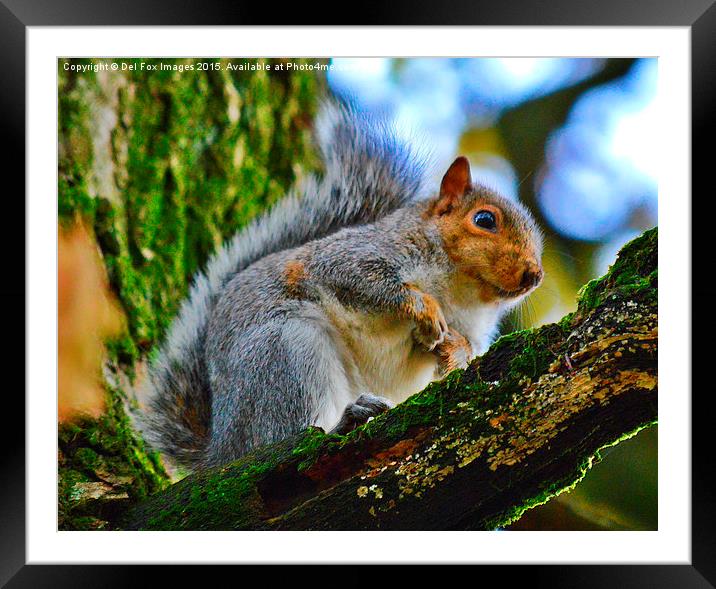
x=360, y=411
x=430, y=324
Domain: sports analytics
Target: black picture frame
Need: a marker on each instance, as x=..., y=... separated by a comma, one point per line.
x=17, y=15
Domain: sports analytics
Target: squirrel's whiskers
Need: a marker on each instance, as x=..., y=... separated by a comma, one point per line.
x=345, y=298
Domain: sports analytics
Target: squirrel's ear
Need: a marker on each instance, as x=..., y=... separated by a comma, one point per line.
x=456, y=182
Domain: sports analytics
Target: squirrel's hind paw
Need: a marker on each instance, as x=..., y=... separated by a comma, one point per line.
x=360, y=411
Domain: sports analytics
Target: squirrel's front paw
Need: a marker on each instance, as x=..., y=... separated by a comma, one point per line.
x=430, y=324
x=454, y=352
x=360, y=411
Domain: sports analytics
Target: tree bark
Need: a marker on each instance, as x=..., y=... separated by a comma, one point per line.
x=161, y=166
x=521, y=424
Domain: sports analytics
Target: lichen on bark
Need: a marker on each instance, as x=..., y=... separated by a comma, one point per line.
x=162, y=166
x=521, y=424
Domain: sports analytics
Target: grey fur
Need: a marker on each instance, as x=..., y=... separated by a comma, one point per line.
x=277, y=350
x=368, y=174
x=365, y=407
x=275, y=361
x=339, y=294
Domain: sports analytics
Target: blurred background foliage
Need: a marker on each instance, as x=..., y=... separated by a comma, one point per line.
x=575, y=140
x=162, y=166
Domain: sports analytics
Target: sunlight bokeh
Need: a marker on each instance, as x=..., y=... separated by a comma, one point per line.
x=598, y=182
x=593, y=189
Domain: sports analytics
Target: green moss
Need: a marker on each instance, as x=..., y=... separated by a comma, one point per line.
x=634, y=274
x=194, y=156
x=420, y=410
x=313, y=443
x=535, y=350
x=466, y=413
x=104, y=451
x=165, y=166
x=75, y=145
x=529, y=354
x=555, y=488
x=566, y=322
x=221, y=498
x=86, y=458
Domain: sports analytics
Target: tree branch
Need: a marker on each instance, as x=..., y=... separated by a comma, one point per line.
x=519, y=425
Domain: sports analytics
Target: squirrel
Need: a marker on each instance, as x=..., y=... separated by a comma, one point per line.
x=351, y=294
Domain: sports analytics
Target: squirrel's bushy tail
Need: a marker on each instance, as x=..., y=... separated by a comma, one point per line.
x=368, y=173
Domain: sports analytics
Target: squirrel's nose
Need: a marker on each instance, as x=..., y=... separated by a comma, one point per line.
x=531, y=276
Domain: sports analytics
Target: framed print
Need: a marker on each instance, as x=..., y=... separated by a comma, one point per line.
x=325, y=300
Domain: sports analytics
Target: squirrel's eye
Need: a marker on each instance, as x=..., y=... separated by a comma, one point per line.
x=486, y=220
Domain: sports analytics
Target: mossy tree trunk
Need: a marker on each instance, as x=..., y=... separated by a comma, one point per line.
x=163, y=166
x=519, y=425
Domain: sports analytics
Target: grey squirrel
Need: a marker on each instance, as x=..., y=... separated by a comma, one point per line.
x=349, y=295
